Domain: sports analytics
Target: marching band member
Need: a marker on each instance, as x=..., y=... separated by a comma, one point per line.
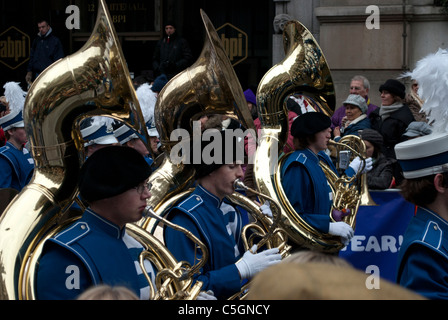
x=127, y=137
x=16, y=163
x=423, y=256
x=96, y=249
x=303, y=179
x=217, y=223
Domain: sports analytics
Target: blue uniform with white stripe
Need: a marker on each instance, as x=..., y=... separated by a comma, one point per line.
x=89, y=252
x=307, y=188
x=218, y=225
x=16, y=165
x=423, y=256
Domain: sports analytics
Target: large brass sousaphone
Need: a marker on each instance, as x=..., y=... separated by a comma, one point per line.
x=93, y=81
x=303, y=71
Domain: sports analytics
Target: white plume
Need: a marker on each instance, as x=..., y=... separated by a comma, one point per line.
x=103, y=121
x=15, y=96
x=431, y=73
x=147, y=99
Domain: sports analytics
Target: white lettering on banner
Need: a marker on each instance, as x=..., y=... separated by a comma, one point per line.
x=385, y=243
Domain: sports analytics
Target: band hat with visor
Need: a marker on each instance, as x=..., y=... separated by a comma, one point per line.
x=423, y=156
x=124, y=134
x=99, y=131
x=428, y=155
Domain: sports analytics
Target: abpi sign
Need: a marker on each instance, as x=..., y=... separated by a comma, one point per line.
x=234, y=41
x=14, y=47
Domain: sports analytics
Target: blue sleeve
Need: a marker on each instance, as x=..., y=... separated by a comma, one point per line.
x=224, y=281
x=5, y=173
x=425, y=273
x=61, y=275
x=300, y=192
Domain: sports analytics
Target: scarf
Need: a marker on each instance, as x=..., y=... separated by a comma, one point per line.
x=386, y=111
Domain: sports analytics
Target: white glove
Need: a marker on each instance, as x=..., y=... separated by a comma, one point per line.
x=206, y=295
x=266, y=209
x=341, y=229
x=250, y=264
x=357, y=164
x=369, y=165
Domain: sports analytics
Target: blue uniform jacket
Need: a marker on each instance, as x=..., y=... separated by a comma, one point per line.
x=201, y=214
x=423, y=256
x=89, y=252
x=17, y=167
x=306, y=186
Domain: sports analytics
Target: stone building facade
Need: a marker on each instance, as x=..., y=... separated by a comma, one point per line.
x=378, y=39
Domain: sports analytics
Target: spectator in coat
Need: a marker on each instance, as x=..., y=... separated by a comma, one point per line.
x=358, y=85
x=46, y=49
x=355, y=119
x=172, y=53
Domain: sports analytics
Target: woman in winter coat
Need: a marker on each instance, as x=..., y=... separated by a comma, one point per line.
x=393, y=117
x=355, y=119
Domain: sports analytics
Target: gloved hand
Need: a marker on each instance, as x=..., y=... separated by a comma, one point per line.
x=343, y=230
x=252, y=263
x=369, y=165
x=357, y=164
x=206, y=295
x=266, y=209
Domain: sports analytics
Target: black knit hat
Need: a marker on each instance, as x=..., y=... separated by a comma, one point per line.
x=111, y=171
x=395, y=87
x=310, y=123
x=226, y=149
x=170, y=23
x=372, y=136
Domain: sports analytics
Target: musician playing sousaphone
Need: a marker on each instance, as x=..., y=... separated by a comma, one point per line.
x=304, y=181
x=215, y=221
x=423, y=257
x=97, y=249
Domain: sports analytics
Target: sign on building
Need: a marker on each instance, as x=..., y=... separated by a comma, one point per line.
x=14, y=48
x=234, y=41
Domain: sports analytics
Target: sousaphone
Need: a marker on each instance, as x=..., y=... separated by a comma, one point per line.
x=304, y=71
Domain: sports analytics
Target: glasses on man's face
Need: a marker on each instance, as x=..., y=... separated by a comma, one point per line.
x=141, y=187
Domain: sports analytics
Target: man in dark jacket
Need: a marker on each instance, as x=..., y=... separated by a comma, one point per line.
x=172, y=53
x=46, y=49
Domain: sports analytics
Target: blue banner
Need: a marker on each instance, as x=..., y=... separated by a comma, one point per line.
x=379, y=234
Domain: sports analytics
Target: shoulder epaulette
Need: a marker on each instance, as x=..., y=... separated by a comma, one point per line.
x=73, y=233
x=433, y=235
x=191, y=202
